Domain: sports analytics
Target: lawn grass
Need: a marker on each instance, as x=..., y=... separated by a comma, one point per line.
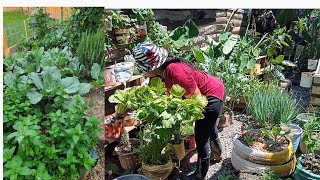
x=14, y=27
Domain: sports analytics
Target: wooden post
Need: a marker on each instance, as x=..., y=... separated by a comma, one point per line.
x=5, y=45
x=25, y=28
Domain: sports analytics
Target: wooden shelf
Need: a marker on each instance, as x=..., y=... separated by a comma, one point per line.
x=133, y=78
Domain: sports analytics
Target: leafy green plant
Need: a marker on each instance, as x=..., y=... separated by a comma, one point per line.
x=269, y=175
x=98, y=75
x=228, y=176
x=91, y=49
x=187, y=130
x=274, y=134
x=82, y=20
x=269, y=106
x=311, y=137
x=124, y=100
x=248, y=139
x=39, y=22
x=119, y=20
x=47, y=134
x=163, y=115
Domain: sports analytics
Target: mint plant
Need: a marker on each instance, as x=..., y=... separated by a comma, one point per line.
x=47, y=134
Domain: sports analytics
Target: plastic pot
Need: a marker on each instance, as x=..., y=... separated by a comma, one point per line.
x=306, y=79
x=302, y=174
x=132, y=177
x=190, y=143
x=304, y=118
x=295, y=135
x=312, y=64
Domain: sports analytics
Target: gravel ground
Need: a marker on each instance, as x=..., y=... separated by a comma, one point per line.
x=96, y=97
x=303, y=95
x=226, y=137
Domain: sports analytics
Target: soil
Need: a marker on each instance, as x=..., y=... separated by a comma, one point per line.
x=265, y=144
x=123, y=148
x=96, y=99
x=311, y=164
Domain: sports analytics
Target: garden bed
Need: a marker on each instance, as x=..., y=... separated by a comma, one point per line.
x=96, y=97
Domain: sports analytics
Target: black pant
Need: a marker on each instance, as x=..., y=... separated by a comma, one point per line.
x=207, y=128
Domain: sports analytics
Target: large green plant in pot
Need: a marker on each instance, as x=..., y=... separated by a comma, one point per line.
x=162, y=116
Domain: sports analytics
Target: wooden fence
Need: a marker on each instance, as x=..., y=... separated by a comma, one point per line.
x=16, y=32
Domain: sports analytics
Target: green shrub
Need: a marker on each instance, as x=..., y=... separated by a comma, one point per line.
x=47, y=134
x=91, y=49
x=271, y=107
x=39, y=22
x=83, y=19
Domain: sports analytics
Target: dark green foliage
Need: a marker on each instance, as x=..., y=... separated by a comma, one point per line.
x=83, y=19
x=39, y=22
x=47, y=134
x=91, y=49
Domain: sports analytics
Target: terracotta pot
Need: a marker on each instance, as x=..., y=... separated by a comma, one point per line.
x=239, y=106
x=109, y=77
x=129, y=119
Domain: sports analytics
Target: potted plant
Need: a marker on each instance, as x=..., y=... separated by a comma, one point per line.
x=178, y=144
x=163, y=115
x=127, y=153
x=308, y=166
x=121, y=25
x=267, y=146
x=188, y=136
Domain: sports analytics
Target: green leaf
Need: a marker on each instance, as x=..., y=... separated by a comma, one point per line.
x=70, y=84
x=9, y=79
x=251, y=63
x=84, y=88
x=75, y=138
x=279, y=59
x=288, y=63
x=36, y=80
x=156, y=82
x=230, y=43
x=178, y=33
x=177, y=91
x=34, y=97
x=50, y=76
x=192, y=28
x=224, y=36
x=25, y=171
x=276, y=130
x=95, y=71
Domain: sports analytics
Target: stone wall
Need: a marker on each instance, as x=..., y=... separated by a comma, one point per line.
x=210, y=21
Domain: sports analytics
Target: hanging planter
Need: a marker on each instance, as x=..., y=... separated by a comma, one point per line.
x=306, y=79
x=128, y=159
x=312, y=64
